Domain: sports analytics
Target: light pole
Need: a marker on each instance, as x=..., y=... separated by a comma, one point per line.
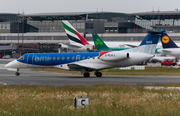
x=22, y=22
x=18, y=30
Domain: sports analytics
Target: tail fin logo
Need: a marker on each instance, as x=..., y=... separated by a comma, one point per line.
x=165, y=39
x=98, y=42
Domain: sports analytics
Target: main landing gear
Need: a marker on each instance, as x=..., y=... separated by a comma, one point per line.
x=98, y=74
x=86, y=74
x=17, y=73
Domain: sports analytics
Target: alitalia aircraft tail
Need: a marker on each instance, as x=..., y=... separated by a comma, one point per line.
x=148, y=45
x=74, y=36
x=167, y=42
x=99, y=44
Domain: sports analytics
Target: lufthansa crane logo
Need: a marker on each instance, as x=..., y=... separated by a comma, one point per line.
x=165, y=39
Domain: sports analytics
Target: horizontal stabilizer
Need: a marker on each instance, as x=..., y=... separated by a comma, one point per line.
x=166, y=51
x=70, y=45
x=156, y=32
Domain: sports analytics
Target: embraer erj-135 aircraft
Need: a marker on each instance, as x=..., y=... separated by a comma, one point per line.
x=90, y=61
x=169, y=47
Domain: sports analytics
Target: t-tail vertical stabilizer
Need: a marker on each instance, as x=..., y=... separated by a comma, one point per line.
x=99, y=44
x=167, y=42
x=148, y=45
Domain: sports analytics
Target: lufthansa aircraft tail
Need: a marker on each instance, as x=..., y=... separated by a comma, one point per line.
x=99, y=44
x=148, y=45
x=167, y=42
x=74, y=36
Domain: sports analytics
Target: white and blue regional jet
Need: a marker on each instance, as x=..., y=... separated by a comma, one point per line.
x=90, y=61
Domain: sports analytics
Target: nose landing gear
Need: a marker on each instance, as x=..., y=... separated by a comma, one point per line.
x=17, y=73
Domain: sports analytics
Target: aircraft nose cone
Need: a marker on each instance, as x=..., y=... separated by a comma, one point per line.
x=11, y=64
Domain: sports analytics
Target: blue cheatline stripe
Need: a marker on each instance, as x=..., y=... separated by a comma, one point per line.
x=50, y=59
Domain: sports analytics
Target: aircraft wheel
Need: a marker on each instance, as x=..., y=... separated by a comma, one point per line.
x=17, y=73
x=98, y=74
x=86, y=74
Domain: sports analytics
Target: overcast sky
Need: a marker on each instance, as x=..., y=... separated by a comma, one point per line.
x=124, y=6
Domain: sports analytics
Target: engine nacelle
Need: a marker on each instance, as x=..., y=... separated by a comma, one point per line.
x=113, y=55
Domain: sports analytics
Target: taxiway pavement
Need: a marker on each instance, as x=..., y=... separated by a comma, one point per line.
x=29, y=77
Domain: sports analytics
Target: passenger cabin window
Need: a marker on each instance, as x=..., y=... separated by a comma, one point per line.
x=58, y=58
x=21, y=58
x=83, y=57
x=40, y=58
x=67, y=58
x=72, y=58
x=88, y=57
x=54, y=58
x=49, y=58
x=45, y=58
x=37, y=59
x=62, y=58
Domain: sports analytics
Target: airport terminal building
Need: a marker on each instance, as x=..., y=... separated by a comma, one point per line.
x=47, y=28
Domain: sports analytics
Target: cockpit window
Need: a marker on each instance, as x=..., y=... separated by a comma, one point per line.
x=21, y=58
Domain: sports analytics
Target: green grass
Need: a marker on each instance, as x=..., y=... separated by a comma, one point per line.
x=156, y=71
x=105, y=100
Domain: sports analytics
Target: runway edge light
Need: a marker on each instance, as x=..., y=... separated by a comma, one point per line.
x=81, y=102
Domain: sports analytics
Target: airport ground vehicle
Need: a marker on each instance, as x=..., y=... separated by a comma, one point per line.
x=6, y=57
x=168, y=62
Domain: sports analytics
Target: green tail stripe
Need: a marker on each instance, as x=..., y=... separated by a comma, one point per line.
x=68, y=28
x=99, y=44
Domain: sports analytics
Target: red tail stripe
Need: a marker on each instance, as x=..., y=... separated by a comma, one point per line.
x=81, y=38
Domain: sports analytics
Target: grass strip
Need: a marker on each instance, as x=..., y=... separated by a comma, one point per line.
x=105, y=100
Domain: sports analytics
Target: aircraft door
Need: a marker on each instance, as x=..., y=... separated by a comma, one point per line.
x=30, y=59
x=78, y=58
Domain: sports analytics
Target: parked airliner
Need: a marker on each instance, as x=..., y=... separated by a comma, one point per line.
x=90, y=61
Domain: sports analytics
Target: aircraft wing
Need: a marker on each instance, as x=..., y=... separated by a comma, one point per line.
x=79, y=66
x=89, y=66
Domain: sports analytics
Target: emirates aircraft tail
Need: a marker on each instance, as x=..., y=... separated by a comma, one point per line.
x=76, y=41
